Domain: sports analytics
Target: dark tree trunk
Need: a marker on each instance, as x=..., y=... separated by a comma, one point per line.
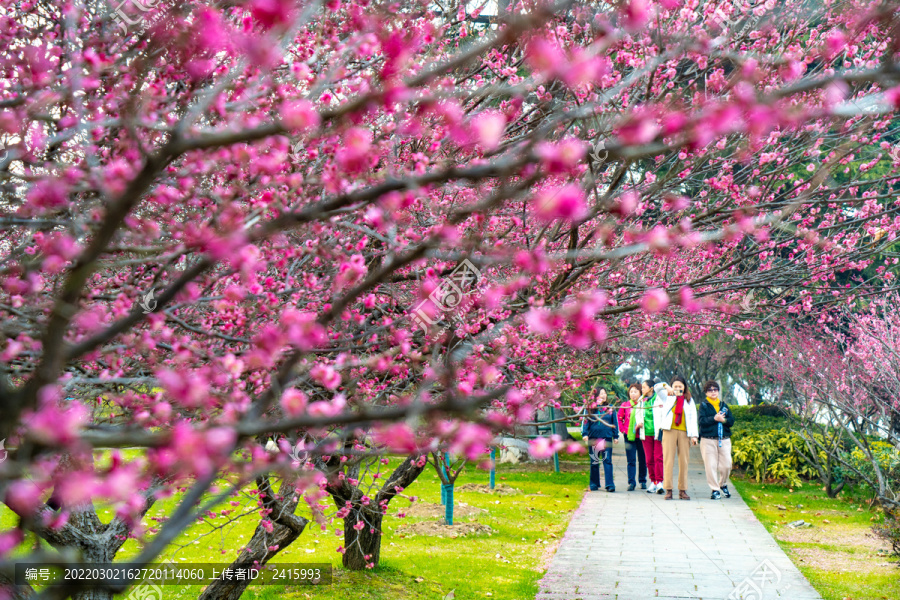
x=363, y=546
x=286, y=527
x=756, y=398
x=833, y=490
x=360, y=543
x=13, y=591
x=257, y=550
x=833, y=487
x=93, y=594
x=96, y=541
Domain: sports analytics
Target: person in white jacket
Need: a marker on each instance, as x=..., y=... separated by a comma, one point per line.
x=680, y=432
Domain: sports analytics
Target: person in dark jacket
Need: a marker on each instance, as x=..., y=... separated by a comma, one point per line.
x=630, y=423
x=600, y=424
x=715, y=419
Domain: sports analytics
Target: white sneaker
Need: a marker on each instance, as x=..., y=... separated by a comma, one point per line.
x=651, y=489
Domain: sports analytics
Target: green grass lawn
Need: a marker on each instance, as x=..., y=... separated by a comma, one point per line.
x=839, y=555
x=504, y=564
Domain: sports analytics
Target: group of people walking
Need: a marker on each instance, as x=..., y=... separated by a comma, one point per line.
x=659, y=423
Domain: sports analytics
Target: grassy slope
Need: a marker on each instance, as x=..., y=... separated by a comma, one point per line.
x=504, y=565
x=838, y=555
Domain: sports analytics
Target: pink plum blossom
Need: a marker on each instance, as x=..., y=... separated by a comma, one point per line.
x=655, y=300
x=299, y=115
x=488, y=129
x=293, y=402
x=567, y=203
x=545, y=447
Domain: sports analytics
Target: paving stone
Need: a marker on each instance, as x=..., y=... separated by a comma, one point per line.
x=701, y=549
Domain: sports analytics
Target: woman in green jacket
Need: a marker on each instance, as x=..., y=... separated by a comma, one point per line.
x=649, y=416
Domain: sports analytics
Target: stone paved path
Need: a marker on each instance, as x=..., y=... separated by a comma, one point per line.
x=635, y=545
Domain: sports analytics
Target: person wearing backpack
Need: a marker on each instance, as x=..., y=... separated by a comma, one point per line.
x=715, y=420
x=680, y=432
x=630, y=424
x=600, y=431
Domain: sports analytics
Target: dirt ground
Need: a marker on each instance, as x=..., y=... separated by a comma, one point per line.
x=501, y=489
x=841, y=562
x=866, y=540
x=430, y=510
x=868, y=555
x=440, y=529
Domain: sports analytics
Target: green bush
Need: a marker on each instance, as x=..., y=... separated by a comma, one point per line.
x=767, y=410
x=759, y=418
x=888, y=458
x=768, y=445
x=746, y=412
x=771, y=453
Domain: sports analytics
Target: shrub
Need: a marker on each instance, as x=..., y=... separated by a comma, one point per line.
x=888, y=458
x=768, y=453
x=749, y=419
x=772, y=416
x=890, y=531
x=770, y=447
x=768, y=410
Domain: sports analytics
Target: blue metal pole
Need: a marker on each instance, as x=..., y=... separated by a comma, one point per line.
x=493, y=466
x=448, y=506
x=446, y=477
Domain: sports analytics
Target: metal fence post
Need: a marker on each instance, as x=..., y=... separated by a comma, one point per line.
x=493, y=466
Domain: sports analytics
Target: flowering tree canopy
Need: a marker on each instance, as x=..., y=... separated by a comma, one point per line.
x=842, y=382
x=379, y=227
